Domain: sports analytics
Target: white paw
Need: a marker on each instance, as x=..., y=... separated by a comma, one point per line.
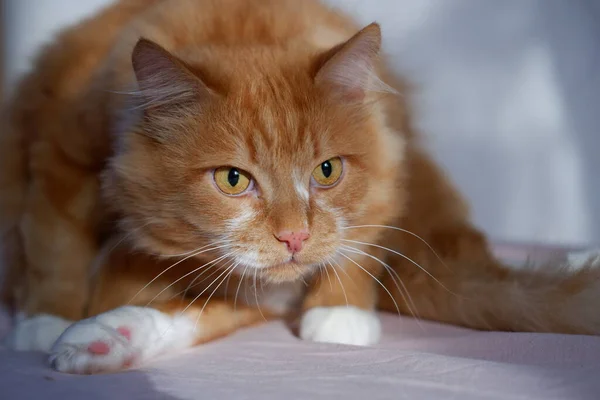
x=36, y=333
x=345, y=325
x=119, y=339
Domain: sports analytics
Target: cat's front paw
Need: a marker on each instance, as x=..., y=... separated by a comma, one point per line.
x=116, y=340
x=100, y=344
x=343, y=324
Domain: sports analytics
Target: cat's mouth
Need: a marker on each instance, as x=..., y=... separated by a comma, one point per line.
x=291, y=263
x=286, y=271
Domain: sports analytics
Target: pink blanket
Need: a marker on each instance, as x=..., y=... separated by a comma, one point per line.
x=415, y=361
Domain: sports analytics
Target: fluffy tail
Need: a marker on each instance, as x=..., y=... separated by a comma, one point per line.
x=488, y=295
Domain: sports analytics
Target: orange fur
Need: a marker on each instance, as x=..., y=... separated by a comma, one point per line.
x=111, y=143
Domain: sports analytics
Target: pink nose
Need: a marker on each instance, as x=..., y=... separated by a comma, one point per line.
x=293, y=240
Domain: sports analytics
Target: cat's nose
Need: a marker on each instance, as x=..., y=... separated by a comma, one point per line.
x=294, y=240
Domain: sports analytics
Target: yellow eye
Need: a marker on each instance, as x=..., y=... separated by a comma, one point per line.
x=328, y=172
x=232, y=181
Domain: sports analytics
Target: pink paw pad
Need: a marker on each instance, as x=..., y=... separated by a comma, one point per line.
x=128, y=363
x=102, y=348
x=125, y=331
x=99, y=348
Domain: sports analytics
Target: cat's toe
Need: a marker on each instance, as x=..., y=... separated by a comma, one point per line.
x=89, y=347
x=343, y=324
x=36, y=333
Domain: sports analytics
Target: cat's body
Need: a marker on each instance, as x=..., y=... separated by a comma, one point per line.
x=124, y=157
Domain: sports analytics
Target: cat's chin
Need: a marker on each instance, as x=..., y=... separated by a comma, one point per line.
x=286, y=272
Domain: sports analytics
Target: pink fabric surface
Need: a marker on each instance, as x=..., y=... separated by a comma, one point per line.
x=416, y=360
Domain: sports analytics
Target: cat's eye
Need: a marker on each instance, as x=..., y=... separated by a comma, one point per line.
x=232, y=181
x=328, y=172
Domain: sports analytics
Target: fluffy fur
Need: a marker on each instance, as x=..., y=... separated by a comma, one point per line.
x=108, y=195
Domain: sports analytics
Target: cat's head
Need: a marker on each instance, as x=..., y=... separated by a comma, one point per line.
x=264, y=160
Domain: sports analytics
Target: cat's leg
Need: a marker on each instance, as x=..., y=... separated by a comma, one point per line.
x=130, y=336
x=52, y=147
x=138, y=313
x=13, y=186
x=340, y=308
x=58, y=242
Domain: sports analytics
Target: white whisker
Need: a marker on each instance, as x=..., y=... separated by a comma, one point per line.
x=341, y=284
x=410, y=303
x=190, y=273
x=217, y=242
x=372, y=276
x=192, y=302
x=230, y=269
x=324, y=268
x=192, y=284
x=405, y=231
x=337, y=264
x=406, y=258
x=127, y=235
x=205, y=289
x=238, y=289
x=256, y=295
x=227, y=285
x=173, y=265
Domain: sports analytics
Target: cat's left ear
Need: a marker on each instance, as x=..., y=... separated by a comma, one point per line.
x=349, y=68
x=164, y=81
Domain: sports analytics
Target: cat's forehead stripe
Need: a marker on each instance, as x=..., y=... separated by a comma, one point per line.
x=301, y=186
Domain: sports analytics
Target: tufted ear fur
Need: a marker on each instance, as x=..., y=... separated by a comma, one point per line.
x=349, y=69
x=163, y=79
x=167, y=89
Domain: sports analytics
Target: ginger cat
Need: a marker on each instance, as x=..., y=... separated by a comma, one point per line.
x=173, y=170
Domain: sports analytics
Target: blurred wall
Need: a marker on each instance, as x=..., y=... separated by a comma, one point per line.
x=508, y=100
x=29, y=23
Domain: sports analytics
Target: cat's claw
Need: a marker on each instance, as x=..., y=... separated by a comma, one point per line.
x=343, y=324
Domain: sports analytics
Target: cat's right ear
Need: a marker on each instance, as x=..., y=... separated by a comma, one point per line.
x=164, y=82
x=349, y=69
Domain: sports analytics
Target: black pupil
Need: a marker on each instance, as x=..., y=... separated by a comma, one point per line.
x=233, y=177
x=327, y=169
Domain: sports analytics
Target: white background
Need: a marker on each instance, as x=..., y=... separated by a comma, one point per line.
x=509, y=99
